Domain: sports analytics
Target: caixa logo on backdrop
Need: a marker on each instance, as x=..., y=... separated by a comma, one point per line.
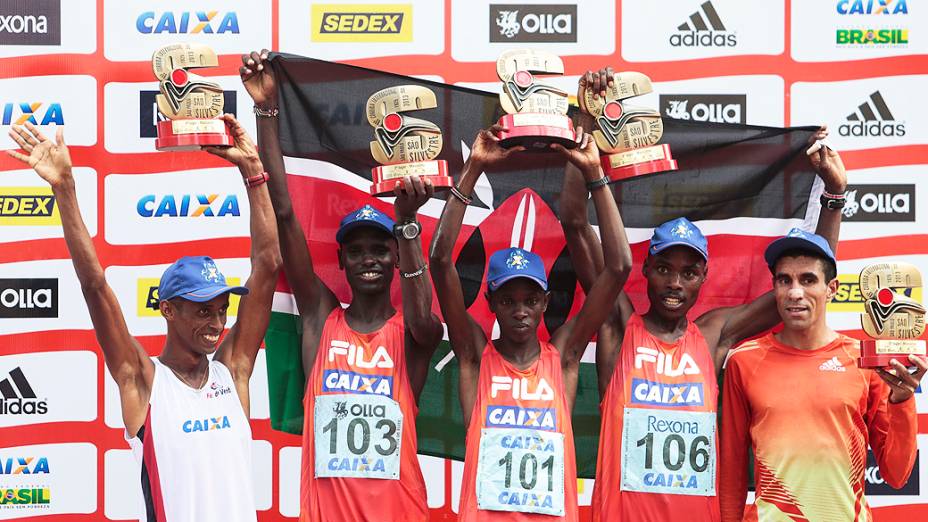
x=36, y=113
x=149, y=115
x=535, y=23
x=36, y=22
x=715, y=108
x=187, y=22
x=872, y=7
x=874, y=202
x=28, y=298
x=188, y=205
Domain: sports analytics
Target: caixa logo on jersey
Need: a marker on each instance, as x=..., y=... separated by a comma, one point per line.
x=875, y=485
x=21, y=298
x=715, y=108
x=188, y=205
x=872, y=7
x=36, y=113
x=704, y=28
x=149, y=115
x=872, y=119
x=880, y=203
x=516, y=417
x=36, y=22
x=536, y=23
x=187, y=22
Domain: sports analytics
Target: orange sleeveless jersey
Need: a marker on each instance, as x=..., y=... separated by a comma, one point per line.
x=809, y=415
x=658, y=439
x=520, y=443
x=360, y=421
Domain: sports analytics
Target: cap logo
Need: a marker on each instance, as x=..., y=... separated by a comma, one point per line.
x=517, y=260
x=682, y=230
x=796, y=232
x=367, y=212
x=211, y=272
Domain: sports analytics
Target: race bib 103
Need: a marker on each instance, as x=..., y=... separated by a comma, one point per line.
x=521, y=470
x=357, y=436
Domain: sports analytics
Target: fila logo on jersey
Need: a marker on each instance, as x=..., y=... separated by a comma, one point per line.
x=519, y=388
x=340, y=381
x=355, y=356
x=207, y=424
x=516, y=417
x=664, y=363
x=678, y=394
x=24, y=466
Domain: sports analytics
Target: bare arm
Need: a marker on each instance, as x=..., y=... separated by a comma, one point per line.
x=125, y=358
x=240, y=347
x=314, y=299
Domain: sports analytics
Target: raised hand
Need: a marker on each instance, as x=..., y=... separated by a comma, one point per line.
x=258, y=77
x=243, y=152
x=827, y=162
x=51, y=160
x=486, y=150
x=597, y=81
x=411, y=194
x=585, y=156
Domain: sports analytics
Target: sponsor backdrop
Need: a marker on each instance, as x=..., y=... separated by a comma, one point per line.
x=857, y=65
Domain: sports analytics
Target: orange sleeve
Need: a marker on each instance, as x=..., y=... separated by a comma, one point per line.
x=735, y=439
x=892, y=429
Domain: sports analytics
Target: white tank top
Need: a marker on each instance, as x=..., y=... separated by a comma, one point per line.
x=195, y=450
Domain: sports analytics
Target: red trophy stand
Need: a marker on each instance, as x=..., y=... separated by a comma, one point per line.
x=877, y=353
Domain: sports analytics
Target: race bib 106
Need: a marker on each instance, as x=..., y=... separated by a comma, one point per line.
x=357, y=436
x=521, y=470
x=668, y=452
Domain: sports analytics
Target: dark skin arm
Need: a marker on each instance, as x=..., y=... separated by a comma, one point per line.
x=466, y=337
x=572, y=338
x=423, y=329
x=125, y=358
x=240, y=347
x=314, y=299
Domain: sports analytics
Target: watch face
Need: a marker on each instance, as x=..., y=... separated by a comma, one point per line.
x=411, y=230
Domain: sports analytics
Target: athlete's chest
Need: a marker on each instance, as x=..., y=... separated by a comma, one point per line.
x=652, y=375
x=826, y=386
x=349, y=362
x=532, y=398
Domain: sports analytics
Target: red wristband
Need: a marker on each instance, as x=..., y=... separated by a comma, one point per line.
x=257, y=179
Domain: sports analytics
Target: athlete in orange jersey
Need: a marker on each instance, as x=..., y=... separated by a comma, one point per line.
x=801, y=402
x=517, y=392
x=657, y=371
x=365, y=365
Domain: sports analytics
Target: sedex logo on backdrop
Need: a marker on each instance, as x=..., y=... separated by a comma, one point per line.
x=533, y=23
x=361, y=22
x=714, y=108
x=32, y=22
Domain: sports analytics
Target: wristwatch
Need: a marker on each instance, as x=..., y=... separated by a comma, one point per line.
x=408, y=230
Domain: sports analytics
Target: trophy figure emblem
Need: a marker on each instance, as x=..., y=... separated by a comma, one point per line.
x=404, y=146
x=893, y=320
x=627, y=135
x=190, y=103
x=536, y=113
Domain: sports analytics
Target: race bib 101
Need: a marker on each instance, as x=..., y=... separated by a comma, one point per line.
x=357, y=436
x=667, y=451
x=521, y=470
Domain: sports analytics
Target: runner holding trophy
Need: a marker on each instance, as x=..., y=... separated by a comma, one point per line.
x=191, y=104
x=894, y=320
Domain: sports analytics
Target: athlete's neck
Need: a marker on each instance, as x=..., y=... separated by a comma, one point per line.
x=369, y=312
x=811, y=338
x=192, y=367
x=665, y=329
x=519, y=354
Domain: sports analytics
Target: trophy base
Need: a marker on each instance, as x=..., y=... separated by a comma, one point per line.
x=192, y=134
x=536, y=131
x=877, y=353
x=638, y=162
x=387, y=177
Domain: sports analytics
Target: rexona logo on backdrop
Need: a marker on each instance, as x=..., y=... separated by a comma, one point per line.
x=34, y=22
x=188, y=205
x=36, y=113
x=536, y=23
x=20, y=298
x=875, y=485
x=149, y=115
x=187, y=22
x=872, y=119
x=880, y=203
x=703, y=28
x=849, y=299
x=872, y=37
x=716, y=108
x=147, y=297
x=28, y=206
x=872, y=7
x=361, y=23
x=17, y=396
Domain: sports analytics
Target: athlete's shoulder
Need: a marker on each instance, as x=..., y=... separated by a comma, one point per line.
x=749, y=351
x=849, y=345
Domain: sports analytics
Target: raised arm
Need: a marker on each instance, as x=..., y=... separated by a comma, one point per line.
x=423, y=329
x=314, y=299
x=731, y=325
x=125, y=358
x=466, y=337
x=240, y=347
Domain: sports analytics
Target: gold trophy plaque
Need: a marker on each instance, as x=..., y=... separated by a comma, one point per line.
x=893, y=320
x=404, y=146
x=536, y=113
x=627, y=135
x=190, y=103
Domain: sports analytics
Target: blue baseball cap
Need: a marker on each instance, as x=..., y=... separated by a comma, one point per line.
x=798, y=238
x=511, y=263
x=366, y=216
x=680, y=231
x=195, y=278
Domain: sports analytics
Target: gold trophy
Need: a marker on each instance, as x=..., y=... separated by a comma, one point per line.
x=190, y=103
x=627, y=135
x=404, y=146
x=893, y=320
x=536, y=113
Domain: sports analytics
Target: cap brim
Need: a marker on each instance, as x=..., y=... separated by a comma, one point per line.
x=348, y=227
x=665, y=246
x=789, y=243
x=211, y=292
x=496, y=283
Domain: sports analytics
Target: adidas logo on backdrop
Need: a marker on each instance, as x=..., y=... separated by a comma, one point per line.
x=872, y=119
x=704, y=28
